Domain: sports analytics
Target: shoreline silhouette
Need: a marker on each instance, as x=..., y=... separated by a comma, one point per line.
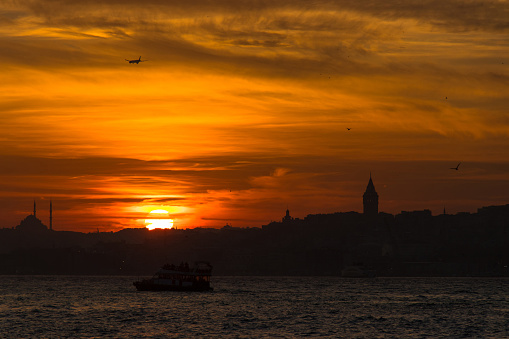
x=411, y=243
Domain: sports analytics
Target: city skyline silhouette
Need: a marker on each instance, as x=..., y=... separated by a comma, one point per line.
x=368, y=206
x=367, y=244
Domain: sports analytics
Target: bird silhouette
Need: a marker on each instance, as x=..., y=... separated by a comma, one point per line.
x=348, y=128
x=455, y=168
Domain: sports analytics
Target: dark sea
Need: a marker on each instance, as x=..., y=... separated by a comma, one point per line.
x=255, y=307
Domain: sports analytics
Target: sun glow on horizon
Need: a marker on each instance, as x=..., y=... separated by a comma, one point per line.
x=160, y=220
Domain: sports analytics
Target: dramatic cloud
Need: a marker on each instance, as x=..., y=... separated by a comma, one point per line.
x=242, y=108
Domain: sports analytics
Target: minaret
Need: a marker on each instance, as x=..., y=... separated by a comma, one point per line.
x=50, y=216
x=34, y=207
x=370, y=199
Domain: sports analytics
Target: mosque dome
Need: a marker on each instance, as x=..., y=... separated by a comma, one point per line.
x=31, y=224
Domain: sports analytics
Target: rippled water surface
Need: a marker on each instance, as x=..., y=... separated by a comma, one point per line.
x=253, y=307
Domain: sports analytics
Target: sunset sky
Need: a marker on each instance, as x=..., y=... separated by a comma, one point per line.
x=242, y=108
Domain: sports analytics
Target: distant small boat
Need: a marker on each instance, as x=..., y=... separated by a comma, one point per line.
x=178, y=278
x=357, y=271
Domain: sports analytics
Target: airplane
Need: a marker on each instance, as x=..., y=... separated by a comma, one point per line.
x=135, y=61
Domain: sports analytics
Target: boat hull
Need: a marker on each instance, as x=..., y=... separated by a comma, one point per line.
x=179, y=278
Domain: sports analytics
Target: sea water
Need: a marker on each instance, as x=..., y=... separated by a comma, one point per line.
x=254, y=307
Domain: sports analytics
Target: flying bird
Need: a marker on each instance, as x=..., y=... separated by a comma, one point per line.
x=455, y=168
x=348, y=128
x=135, y=61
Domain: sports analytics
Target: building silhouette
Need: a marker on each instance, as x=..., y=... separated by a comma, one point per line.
x=287, y=217
x=370, y=199
x=32, y=224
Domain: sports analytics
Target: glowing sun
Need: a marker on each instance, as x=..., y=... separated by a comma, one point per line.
x=159, y=219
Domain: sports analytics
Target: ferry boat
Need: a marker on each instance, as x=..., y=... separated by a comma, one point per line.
x=178, y=278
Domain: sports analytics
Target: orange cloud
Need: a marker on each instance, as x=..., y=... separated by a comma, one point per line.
x=254, y=100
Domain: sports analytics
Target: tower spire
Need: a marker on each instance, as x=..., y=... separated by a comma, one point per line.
x=34, y=208
x=370, y=199
x=50, y=215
